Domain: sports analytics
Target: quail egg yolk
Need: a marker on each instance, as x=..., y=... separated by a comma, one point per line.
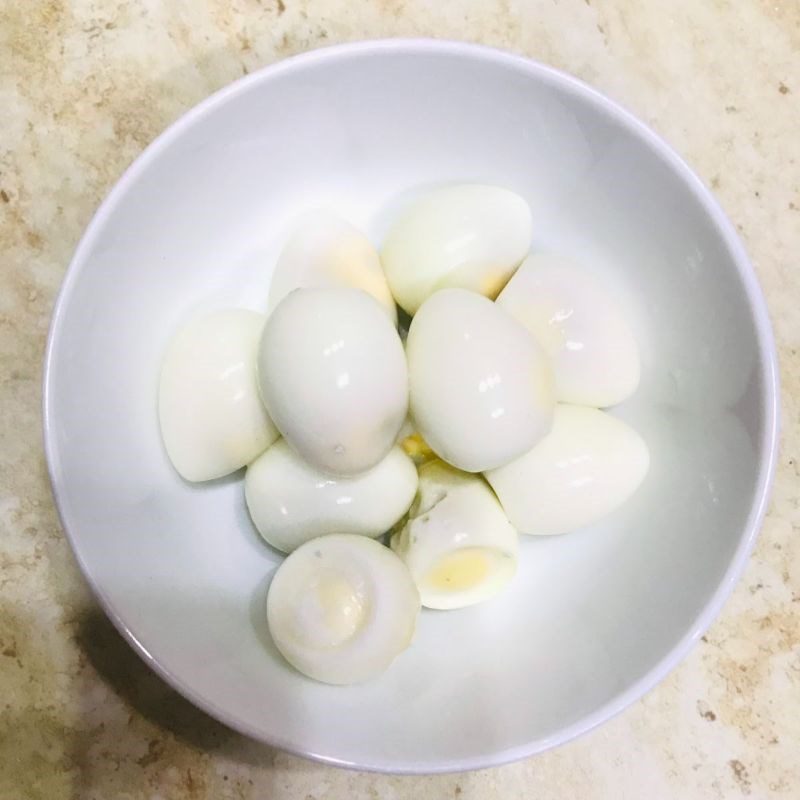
x=417, y=448
x=332, y=611
x=460, y=570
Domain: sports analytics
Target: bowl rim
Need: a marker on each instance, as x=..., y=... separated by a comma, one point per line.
x=767, y=358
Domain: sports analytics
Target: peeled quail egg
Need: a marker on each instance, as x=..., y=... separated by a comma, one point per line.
x=458, y=543
x=481, y=388
x=468, y=236
x=340, y=608
x=212, y=419
x=291, y=502
x=325, y=250
x=580, y=324
x=585, y=468
x=333, y=375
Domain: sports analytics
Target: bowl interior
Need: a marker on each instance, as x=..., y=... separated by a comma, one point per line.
x=593, y=618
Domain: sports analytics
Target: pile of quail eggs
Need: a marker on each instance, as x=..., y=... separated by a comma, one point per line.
x=480, y=417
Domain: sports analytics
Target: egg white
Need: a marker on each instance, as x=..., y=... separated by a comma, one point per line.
x=481, y=387
x=582, y=327
x=457, y=542
x=325, y=250
x=291, y=502
x=585, y=468
x=341, y=608
x=468, y=236
x=211, y=416
x=333, y=375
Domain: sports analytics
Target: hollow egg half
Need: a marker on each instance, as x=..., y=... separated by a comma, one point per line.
x=341, y=608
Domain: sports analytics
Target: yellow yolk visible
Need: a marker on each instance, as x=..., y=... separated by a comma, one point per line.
x=456, y=542
x=417, y=448
x=460, y=570
x=332, y=611
x=493, y=283
x=341, y=607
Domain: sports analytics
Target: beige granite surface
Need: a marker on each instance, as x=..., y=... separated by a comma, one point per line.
x=84, y=86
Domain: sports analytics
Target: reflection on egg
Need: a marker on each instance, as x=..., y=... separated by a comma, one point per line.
x=333, y=375
x=290, y=502
x=587, y=467
x=324, y=250
x=341, y=608
x=467, y=236
x=481, y=388
x=458, y=543
x=581, y=327
x=212, y=419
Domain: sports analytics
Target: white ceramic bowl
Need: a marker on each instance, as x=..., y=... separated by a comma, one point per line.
x=595, y=618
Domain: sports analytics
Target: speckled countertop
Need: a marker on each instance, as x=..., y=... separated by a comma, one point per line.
x=84, y=86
